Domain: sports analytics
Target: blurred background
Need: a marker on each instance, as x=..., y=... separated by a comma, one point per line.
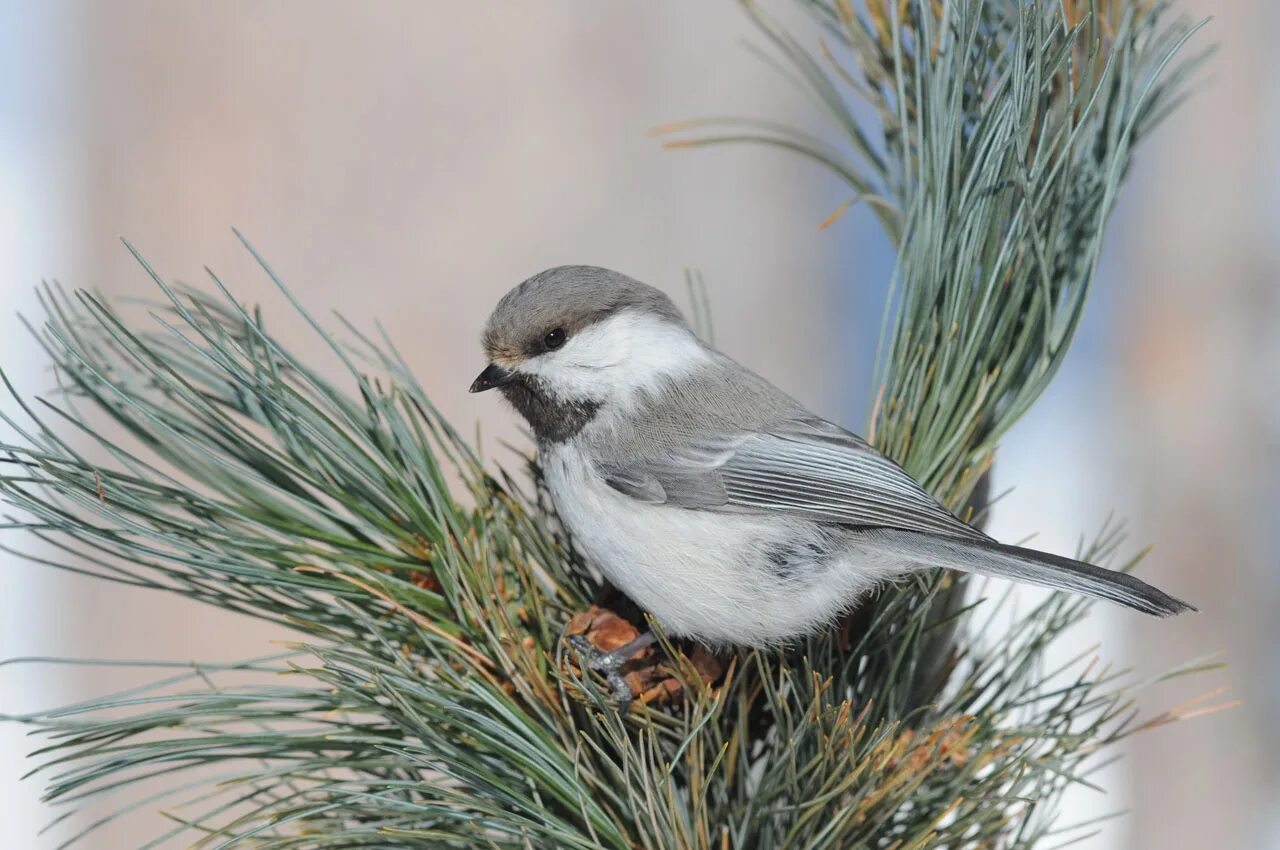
x=409, y=162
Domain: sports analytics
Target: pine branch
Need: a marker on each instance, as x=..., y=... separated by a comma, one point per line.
x=428, y=700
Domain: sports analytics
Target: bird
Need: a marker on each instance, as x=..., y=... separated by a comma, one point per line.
x=716, y=502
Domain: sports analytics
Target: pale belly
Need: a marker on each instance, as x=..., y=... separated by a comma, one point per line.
x=706, y=575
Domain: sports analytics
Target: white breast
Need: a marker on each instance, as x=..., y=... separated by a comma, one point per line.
x=702, y=574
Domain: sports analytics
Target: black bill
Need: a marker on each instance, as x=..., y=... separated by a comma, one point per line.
x=492, y=376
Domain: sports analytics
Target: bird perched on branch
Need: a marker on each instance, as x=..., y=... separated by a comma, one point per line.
x=711, y=498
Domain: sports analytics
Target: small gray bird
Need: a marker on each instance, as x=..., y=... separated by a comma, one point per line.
x=710, y=497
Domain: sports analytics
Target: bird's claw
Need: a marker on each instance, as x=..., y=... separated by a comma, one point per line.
x=580, y=645
x=607, y=664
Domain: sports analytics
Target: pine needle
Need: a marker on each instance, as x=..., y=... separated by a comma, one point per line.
x=428, y=699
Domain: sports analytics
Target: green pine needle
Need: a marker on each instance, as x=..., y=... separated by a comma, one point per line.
x=429, y=700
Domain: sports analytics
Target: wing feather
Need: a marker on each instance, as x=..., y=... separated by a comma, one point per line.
x=806, y=467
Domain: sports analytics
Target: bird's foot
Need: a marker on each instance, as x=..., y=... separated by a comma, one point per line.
x=609, y=664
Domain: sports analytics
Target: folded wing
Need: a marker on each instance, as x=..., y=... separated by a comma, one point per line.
x=805, y=467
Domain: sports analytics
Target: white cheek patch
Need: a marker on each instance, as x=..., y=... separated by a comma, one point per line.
x=613, y=360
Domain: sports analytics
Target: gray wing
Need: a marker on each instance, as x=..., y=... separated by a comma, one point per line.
x=806, y=467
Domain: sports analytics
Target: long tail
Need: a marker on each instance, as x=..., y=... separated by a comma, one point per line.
x=990, y=558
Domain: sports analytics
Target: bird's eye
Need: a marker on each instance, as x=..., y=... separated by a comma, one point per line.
x=554, y=339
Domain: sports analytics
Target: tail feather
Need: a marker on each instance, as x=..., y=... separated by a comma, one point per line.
x=989, y=558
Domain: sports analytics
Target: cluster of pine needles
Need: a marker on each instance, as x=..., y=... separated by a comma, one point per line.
x=428, y=699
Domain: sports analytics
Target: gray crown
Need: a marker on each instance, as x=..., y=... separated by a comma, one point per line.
x=566, y=297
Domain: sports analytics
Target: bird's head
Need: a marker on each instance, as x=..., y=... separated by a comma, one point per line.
x=575, y=339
